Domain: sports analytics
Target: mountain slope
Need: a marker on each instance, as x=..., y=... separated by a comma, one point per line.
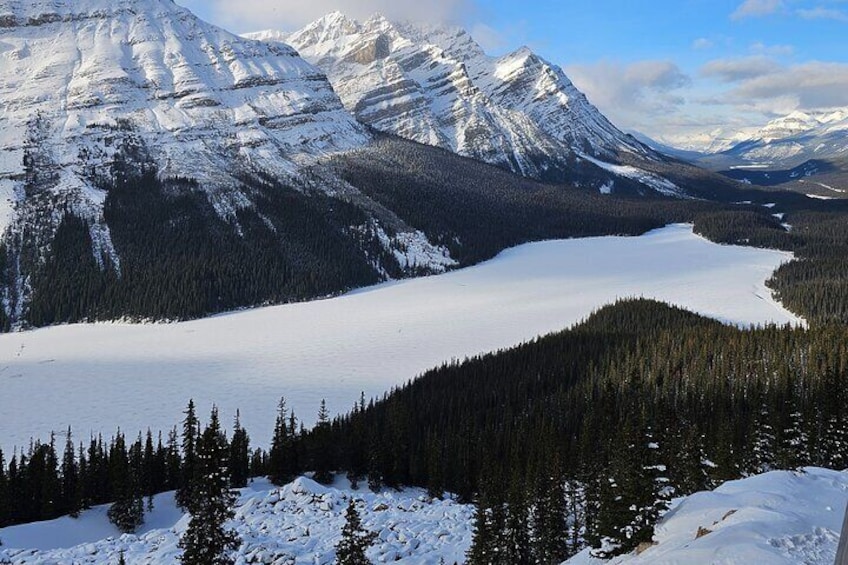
x=435, y=85
x=175, y=152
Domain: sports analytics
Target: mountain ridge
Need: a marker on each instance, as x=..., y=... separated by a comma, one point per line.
x=435, y=85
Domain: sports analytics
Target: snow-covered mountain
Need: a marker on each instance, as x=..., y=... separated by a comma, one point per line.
x=788, y=141
x=434, y=84
x=140, y=132
x=96, y=92
x=82, y=78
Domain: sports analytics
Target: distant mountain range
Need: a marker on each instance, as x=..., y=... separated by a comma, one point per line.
x=802, y=151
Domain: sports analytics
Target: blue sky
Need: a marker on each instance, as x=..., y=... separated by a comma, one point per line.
x=675, y=70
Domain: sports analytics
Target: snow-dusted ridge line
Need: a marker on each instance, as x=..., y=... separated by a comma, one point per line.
x=97, y=377
x=435, y=85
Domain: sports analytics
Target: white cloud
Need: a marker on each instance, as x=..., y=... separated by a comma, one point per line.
x=738, y=69
x=772, y=50
x=253, y=15
x=756, y=8
x=490, y=39
x=811, y=85
x=631, y=95
x=702, y=43
x=821, y=13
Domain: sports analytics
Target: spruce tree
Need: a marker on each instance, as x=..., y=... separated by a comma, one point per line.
x=322, y=457
x=71, y=503
x=280, y=452
x=355, y=539
x=239, y=455
x=206, y=540
x=173, y=461
x=5, y=510
x=191, y=428
x=127, y=511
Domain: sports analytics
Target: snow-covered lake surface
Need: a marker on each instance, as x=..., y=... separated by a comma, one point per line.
x=96, y=377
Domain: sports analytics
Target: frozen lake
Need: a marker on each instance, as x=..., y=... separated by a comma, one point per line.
x=95, y=377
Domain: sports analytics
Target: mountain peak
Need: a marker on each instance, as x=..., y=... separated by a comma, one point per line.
x=432, y=83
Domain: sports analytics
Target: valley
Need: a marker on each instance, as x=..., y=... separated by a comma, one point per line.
x=407, y=265
x=101, y=376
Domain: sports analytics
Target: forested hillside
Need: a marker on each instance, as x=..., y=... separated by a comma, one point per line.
x=640, y=403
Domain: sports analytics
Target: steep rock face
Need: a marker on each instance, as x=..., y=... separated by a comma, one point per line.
x=436, y=85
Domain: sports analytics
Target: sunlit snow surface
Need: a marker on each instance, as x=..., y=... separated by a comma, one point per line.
x=299, y=523
x=96, y=377
x=779, y=518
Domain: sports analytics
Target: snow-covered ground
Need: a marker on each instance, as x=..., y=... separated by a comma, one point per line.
x=779, y=518
x=96, y=377
x=297, y=524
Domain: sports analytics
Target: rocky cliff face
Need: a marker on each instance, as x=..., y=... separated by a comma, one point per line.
x=82, y=78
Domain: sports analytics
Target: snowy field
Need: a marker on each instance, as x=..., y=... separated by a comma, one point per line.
x=779, y=518
x=96, y=377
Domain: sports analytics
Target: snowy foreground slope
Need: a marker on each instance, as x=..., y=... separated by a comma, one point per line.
x=778, y=518
x=95, y=377
x=299, y=523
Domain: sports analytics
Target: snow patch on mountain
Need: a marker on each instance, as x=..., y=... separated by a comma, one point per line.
x=661, y=185
x=414, y=251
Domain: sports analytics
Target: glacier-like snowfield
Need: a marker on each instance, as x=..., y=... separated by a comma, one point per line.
x=96, y=377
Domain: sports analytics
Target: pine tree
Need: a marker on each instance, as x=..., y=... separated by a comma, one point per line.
x=355, y=539
x=121, y=559
x=239, y=455
x=148, y=471
x=484, y=544
x=5, y=510
x=70, y=479
x=173, y=462
x=280, y=454
x=206, y=540
x=191, y=428
x=127, y=511
x=321, y=449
